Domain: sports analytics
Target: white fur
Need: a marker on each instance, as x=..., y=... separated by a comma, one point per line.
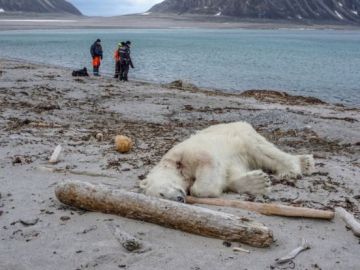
x=221, y=158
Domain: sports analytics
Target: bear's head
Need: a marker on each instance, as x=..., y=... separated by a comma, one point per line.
x=165, y=182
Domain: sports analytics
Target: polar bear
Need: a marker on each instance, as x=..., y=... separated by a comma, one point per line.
x=224, y=157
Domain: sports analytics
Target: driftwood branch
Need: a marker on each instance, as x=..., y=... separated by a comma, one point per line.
x=265, y=208
x=349, y=220
x=170, y=214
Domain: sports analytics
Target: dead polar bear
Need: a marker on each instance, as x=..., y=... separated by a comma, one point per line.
x=225, y=157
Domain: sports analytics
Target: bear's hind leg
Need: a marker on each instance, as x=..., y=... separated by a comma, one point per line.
x=307, y=164
x=265, y=155
x=253, y=182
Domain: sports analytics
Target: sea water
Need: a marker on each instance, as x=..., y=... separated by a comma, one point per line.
x=319, y=63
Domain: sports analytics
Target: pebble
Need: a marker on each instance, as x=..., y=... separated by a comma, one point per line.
x=64, y=218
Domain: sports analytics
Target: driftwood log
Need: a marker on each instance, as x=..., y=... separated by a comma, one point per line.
x=349, y=219
x=170, y=214
x=265, y=208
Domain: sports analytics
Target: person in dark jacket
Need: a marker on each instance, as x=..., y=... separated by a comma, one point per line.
x=125, y=61
x=96, y=52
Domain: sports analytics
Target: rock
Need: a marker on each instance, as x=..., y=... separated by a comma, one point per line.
x=132, y=245
x=17, y=160
x=30, y=222
x=99, y=137
x=227, y=244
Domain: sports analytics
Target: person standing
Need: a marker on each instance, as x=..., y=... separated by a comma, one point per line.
x=117, y=59
x=125, y=61
x=97, y=55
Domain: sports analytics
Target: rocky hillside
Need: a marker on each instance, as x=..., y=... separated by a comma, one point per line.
x=318, y=10
x=38, y=6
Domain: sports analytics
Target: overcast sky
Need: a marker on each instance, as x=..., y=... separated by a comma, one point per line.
x=112, y=7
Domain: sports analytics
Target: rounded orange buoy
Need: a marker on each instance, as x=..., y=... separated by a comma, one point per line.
x=123, y=144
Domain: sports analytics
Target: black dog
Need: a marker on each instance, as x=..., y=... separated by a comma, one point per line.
x=80, y=73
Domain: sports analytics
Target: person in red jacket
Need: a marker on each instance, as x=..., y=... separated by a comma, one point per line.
x=117, y=59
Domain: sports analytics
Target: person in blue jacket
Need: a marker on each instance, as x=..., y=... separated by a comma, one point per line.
x=96, y=52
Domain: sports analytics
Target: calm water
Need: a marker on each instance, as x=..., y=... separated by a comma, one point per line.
x=325, y=64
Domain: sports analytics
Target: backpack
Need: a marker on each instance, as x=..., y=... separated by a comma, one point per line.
x=124, y=55
x=80, y=73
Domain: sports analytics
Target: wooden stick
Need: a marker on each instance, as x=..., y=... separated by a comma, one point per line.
x=86, y=173
x=170, y=214
x=349, y=220
x=265, y=208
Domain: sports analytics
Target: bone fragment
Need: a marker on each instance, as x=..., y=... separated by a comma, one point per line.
x=239, y=249
x=304, y=246
x=55, y=155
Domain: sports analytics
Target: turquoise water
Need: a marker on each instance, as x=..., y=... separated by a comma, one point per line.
x=320, y=63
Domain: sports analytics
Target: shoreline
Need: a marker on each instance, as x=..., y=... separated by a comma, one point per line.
x=185, y=85
x=42, y=106
x=163, y=21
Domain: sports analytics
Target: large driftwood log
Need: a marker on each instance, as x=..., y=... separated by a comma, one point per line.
x=170, y=214
x=265, y=208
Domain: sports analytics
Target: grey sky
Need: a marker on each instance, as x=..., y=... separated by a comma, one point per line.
x=112, y=7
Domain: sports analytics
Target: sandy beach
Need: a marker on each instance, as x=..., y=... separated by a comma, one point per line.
x=42, y=106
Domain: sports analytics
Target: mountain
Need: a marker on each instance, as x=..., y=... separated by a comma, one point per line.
x=38, y=6
x=299, y=10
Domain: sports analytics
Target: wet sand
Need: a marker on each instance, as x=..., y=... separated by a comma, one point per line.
x=43, y=106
